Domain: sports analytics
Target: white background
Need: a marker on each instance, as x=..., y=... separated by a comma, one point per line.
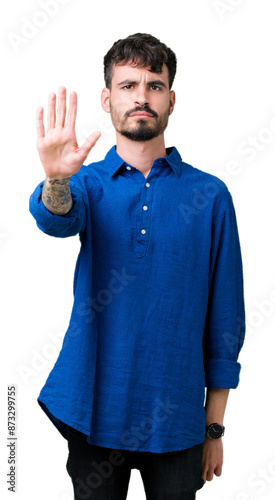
x=225, y=99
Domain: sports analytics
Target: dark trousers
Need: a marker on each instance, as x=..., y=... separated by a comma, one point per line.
x=104, y=473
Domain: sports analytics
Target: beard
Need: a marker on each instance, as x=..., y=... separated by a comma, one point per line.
x=142, y=131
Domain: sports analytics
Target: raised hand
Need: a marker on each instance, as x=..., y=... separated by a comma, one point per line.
x=58, y=150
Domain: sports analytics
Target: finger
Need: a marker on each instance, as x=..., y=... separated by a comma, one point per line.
x=209, y=475
x=39, y=122
x=61, y=108
x=89, y=143
x=218, y=470
x=204, y=472
x=72, y=110
x=51, y=110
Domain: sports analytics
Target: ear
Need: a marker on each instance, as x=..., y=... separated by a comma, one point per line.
x=105, y=99
x=172, y=101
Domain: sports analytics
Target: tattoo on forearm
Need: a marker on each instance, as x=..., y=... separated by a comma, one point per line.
x=56, y=195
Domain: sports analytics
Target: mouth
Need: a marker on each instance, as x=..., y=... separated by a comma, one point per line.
x=142, y=114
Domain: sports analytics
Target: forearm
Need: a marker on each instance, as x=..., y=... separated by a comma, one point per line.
x=215, y=405
x=56, y=195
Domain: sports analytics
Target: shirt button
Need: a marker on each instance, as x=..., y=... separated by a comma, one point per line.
x=128, y=168
x=144, y=207
x=143, y=231
x=147, y=184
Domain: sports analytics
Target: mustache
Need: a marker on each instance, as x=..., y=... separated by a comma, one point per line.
x=143, y=108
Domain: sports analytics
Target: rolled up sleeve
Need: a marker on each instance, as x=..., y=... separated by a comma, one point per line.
x=62, y=226
x=225, y=320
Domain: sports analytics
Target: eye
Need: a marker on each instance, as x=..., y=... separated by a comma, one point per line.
x=127, y=87
x=155, y=87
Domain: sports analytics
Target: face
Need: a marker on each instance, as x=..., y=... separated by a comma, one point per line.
x=139, y=101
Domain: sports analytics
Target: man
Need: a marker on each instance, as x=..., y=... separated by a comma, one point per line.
x=158, y=310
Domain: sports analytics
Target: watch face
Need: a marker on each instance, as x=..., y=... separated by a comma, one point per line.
x=215, y=431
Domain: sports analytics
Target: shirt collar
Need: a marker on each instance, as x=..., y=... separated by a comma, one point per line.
x=114, y=161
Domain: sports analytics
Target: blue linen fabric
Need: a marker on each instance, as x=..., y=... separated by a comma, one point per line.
x=158, y=312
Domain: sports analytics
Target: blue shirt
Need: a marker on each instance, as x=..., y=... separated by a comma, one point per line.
x=158, y=312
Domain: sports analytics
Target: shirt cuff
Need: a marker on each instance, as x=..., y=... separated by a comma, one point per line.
x=222, y=373
x=61, y=226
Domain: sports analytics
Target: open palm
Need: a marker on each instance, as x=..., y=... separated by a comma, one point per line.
x=58, y=150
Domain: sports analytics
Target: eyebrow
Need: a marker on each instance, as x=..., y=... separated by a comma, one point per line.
x=152, y=82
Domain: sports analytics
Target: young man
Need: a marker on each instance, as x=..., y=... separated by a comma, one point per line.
x=158, y=310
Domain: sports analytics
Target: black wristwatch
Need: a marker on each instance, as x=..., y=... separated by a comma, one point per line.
x=214, y=431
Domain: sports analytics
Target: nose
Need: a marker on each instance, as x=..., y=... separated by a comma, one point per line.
x=141, y=97
x=142, y=103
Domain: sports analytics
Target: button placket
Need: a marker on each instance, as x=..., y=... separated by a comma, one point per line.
x=144, y=222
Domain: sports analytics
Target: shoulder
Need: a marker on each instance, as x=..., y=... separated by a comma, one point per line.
x=207, y=186
x=203, y=178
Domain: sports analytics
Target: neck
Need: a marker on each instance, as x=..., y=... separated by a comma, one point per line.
x=140, y=155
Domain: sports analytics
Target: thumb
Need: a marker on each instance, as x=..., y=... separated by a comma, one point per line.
x=89, y=143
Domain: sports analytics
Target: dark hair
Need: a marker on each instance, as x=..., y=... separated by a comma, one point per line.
x=140, y=49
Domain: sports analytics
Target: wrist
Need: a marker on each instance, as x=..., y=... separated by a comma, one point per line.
x=57, y=180
x=210, y=421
